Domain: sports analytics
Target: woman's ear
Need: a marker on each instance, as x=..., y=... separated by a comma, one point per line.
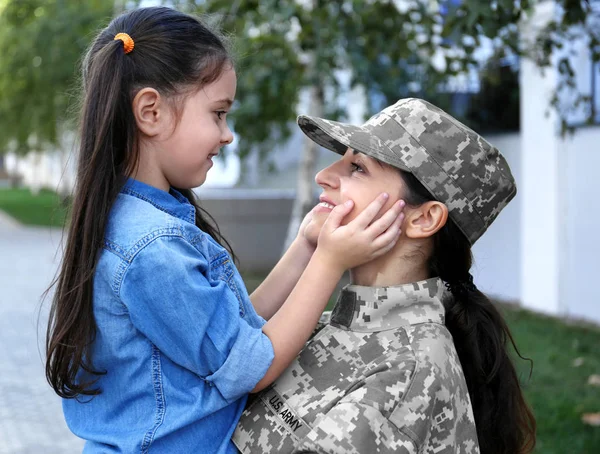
x=149, y=111
x=425, y=220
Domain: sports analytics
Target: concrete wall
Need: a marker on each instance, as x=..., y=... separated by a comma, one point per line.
x=541, y=195
x=582, y=219
x=253, y=221
x=559, y=247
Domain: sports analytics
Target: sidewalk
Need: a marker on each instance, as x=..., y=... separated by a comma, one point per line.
x=31, y=419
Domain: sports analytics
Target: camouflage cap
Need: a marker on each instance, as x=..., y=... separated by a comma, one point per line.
x=456, y=165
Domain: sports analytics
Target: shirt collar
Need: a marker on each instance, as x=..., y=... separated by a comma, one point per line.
x=172, y=202
x=371, y=309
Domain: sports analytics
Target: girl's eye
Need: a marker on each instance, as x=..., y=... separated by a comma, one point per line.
x=356, y=168
x=220, y=114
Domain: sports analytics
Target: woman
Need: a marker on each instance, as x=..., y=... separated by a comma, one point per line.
x=413, y=358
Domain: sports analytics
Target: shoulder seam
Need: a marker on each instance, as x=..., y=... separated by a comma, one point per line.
x=140, y=245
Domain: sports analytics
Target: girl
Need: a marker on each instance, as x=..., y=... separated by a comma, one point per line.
x=153, y=341
x=413, y=358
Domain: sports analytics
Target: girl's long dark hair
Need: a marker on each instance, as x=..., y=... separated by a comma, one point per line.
x=175, y=54
x=505, y=423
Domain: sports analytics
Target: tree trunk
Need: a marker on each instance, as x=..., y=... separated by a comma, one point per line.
x=304, y=200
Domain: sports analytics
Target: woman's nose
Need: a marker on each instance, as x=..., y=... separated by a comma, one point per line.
x=328, y=177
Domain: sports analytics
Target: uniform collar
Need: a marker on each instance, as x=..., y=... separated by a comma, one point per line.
x=172, y=202
x=371, y=309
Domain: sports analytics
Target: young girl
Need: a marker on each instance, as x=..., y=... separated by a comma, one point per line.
x=414, y=358
x=153, y=341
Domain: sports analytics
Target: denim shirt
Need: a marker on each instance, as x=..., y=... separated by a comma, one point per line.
x=176, y=334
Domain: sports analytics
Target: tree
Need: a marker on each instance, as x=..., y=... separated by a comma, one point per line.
x=393, y=48
x=42, y=42
x=554, y=43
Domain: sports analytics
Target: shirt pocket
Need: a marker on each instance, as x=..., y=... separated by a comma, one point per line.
x=222, y=269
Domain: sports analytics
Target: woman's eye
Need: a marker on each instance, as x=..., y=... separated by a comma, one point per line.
x=356, y=168
x=220, y=114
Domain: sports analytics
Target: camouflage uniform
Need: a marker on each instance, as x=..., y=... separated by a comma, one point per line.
x=382, y=376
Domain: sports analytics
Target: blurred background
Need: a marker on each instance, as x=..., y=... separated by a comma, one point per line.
x=525, y=74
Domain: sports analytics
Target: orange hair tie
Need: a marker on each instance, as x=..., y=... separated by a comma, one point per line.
x=128, y=43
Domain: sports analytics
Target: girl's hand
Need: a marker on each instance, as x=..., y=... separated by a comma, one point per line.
x=363, y=239
x=301, y=237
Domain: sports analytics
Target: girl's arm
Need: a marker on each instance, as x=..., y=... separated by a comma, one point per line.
x=277, y=286
x=339, y=248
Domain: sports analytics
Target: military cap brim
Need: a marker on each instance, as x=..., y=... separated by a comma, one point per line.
x=338, y=137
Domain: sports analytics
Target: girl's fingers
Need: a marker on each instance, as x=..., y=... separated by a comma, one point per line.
x=337, y=215
x=368, y=214
x=387, y=219
x=388, y=239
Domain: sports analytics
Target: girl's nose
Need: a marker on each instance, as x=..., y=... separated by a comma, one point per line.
x=227, y=136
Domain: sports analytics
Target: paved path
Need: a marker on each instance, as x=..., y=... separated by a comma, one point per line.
x=31, y=419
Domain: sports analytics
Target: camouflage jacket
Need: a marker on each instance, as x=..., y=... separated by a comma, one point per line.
x=381, y=376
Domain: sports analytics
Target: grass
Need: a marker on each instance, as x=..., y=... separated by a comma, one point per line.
x=557, y=391
x=42, y=209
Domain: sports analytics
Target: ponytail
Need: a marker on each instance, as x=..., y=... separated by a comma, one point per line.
x=104, y=129
x=173, y=53
x=505, y=423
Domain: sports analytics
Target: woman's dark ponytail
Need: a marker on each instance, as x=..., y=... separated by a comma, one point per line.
x=505, y=423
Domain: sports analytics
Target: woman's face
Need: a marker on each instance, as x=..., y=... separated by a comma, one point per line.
x=358, y=177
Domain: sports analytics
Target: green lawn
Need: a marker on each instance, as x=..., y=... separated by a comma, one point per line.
x=557, y=391
x=43, y=209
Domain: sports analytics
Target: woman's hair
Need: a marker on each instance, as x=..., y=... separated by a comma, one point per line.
x=175, y=54
x=505, y=423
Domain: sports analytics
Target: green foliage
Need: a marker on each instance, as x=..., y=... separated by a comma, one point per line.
x=284, y=46
x=43, y=209
x=42, y=42
x=558, y=40
x=387, y=45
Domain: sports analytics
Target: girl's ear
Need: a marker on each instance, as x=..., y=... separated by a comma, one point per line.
x=425, y=220
x=149, y=111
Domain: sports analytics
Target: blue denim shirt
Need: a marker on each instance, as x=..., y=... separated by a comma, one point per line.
x=176, y=334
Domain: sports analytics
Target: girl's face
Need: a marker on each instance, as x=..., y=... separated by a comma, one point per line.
x=185, y=156
x=358, y=177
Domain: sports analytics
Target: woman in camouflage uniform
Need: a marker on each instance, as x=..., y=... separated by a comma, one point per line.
x=413, y=358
